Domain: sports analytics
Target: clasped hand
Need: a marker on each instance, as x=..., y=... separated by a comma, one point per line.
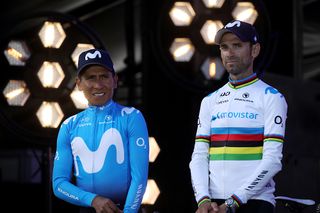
x=212, y=207
x=105, y=205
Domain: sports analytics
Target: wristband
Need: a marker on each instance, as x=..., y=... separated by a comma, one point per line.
x=204, y=200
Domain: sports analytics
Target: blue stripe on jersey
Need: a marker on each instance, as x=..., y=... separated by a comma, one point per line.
x=237, y=130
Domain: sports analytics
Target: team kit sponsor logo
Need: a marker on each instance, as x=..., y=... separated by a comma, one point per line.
x=92, y=55
x=278, y=120
x=68, y=194
x=110, y=138
x=236, y=115
x=225, y=94
x=244, y=97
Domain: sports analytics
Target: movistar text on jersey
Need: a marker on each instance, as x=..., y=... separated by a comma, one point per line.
x=247, y=115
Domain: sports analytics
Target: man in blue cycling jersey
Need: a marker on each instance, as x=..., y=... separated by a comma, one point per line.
x=102, y=155
x=240, y=134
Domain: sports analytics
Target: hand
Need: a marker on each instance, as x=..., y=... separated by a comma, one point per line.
x=105, y=205
x=222, y=208
x=208, y=207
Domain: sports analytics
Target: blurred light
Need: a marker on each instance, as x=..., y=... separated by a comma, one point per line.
x=16, y=93
x=51, y=74
x=182, y=13
x=245, y=11
x=17, y=53
x=154, y=149
x=79, y=49
x=182, y=49
x=52, y=34
x=213, y=3
x=212, y=68
x=50, y=114
x=209, y=30
x=151, y=194
x=79, y=99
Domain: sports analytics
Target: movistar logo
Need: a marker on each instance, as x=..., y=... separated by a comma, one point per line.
x=127, y=110
x=92, y=55
x=68, y=119
x=232, y=24
x=236, y=115
x=272, y=91
x=93, y=161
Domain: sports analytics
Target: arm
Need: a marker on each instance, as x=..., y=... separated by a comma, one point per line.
x=275, y=114
x=62, y=172
x=139, y=160
x=199, y=165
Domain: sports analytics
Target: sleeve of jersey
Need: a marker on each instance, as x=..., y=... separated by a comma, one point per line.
x=199, y=164
x=62, y=173
x=275, y=115
x=139, y=161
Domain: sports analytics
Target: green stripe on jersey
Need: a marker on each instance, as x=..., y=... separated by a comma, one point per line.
x=236, y=156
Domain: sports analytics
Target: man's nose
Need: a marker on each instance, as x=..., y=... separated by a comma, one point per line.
x=98, y=83
x=230, y=52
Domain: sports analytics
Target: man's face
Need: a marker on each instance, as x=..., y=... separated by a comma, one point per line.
x=237, y=56
x=97, y=84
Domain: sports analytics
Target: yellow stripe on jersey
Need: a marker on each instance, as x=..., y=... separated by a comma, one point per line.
x=236, y=150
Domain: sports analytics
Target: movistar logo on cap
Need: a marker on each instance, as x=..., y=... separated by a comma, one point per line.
x=92, y=55
x=232, y=24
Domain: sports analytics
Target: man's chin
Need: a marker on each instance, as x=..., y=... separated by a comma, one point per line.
x=98, y=102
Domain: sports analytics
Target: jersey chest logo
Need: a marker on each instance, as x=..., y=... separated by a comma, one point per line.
x=93, y=161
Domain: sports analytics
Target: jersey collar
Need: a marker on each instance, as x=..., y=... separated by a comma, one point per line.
x=236, y=84
x=102, y=107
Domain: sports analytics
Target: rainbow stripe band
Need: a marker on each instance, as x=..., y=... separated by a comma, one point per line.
x=274, y=140
x=244, y=82
x=237, y=200
x=204, y=200
x=203, y=140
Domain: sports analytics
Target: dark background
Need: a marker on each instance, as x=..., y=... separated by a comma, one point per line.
x=132, y=32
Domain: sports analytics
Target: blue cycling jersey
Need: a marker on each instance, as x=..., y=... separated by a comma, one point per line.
x=107, y=150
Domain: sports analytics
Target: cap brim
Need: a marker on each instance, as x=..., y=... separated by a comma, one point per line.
x=219, y=35
x=94, y=63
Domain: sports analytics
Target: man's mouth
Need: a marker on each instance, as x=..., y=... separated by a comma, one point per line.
x=98, y=94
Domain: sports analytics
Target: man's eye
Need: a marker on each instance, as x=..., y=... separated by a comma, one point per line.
x=237, y=45
x=89, y=78
x=223, y=47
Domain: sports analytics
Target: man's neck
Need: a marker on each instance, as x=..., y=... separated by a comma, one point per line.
x=241, y=76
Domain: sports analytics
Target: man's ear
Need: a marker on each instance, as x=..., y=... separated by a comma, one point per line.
x=115, y=78
x=255, y=50
x=78, y=83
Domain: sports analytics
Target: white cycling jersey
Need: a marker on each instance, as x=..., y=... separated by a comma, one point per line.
x=239, y=140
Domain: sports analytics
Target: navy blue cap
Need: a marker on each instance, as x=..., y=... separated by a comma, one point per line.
x=243, y=30
x=95, y=57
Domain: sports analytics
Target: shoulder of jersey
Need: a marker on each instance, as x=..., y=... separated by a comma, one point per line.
x=126, y=111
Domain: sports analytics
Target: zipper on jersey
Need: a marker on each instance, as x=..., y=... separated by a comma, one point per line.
x=95, y=141
x=230, y=104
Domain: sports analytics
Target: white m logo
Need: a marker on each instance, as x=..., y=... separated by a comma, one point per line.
x=127, y=110
x=232, y=24
x=93, y=161
x=92, y=55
